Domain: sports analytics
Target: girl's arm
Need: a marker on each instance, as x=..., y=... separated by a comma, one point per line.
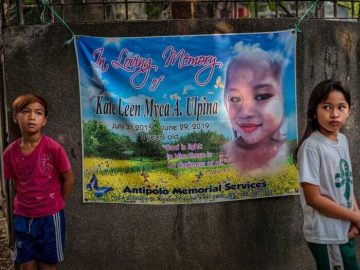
x=355, y=204
x=68, y=184
x=328, y=207
x=353, y=230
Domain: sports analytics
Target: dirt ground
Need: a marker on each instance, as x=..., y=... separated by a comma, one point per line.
x=5, y=261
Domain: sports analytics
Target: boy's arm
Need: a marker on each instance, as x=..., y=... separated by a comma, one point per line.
x=12, y=182
x=68, y=184
x=328, y=207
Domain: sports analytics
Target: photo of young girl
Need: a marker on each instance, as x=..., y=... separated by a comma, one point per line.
x=254, y=101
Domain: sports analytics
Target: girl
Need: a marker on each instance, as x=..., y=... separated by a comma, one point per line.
x=331, y=213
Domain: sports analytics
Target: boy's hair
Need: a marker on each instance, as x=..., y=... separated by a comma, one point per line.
x=318, y=95
x=24, y=100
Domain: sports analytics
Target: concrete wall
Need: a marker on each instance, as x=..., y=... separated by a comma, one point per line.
x=253, y=234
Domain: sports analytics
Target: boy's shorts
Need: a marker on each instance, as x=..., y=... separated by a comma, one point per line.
x=41, y=239
x=335, y=257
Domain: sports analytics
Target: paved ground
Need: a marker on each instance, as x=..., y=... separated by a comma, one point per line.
x=5, y=261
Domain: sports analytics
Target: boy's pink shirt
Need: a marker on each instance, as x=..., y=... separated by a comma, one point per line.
x=37, y=177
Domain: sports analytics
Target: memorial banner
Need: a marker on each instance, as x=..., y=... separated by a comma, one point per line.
x=188, y=119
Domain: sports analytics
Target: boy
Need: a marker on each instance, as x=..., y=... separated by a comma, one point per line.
x=43, y=178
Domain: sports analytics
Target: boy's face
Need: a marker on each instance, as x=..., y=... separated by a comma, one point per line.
x=31, y=119
x=254, y=103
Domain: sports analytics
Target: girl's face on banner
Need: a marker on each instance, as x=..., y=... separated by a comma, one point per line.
x=254, y=103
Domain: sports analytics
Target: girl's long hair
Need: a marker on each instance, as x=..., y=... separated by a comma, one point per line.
x=318, y=95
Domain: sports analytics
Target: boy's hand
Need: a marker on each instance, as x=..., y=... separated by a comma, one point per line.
x=353, y=231
x=68, y=185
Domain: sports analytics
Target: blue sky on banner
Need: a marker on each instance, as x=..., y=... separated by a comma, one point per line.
x=175, y=81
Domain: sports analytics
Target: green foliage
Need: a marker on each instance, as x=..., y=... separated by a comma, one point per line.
x=156, y=127
x=148, y=147
x=348, y=4
x=210, y=140
x=100, y=142
x=251, y=6
x=272, y=5
x=154, y=9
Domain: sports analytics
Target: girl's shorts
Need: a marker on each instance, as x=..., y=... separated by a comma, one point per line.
x=41, y=239
x=339, y=257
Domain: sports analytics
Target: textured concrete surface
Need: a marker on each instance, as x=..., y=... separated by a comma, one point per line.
x=253, y=234
x=5, y=259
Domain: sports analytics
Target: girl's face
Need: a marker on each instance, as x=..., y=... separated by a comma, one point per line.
x=31, y=119
x=254, y=103
x=332, y=114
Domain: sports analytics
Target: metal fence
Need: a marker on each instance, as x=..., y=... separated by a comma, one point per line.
x=19, y=12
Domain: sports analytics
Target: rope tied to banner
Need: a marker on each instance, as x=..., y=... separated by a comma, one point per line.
x=311, y=9
x=46, y=4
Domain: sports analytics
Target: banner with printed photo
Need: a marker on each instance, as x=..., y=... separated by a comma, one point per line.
x=188, y=119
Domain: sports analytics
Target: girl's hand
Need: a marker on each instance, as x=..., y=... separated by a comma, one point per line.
x=353, y=231
x=355, y=219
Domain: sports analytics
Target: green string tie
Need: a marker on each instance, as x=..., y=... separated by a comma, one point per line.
x=42, y=18
x=312, y=8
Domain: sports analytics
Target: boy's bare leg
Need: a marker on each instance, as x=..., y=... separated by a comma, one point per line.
x=44, y=266
x=29, y=266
